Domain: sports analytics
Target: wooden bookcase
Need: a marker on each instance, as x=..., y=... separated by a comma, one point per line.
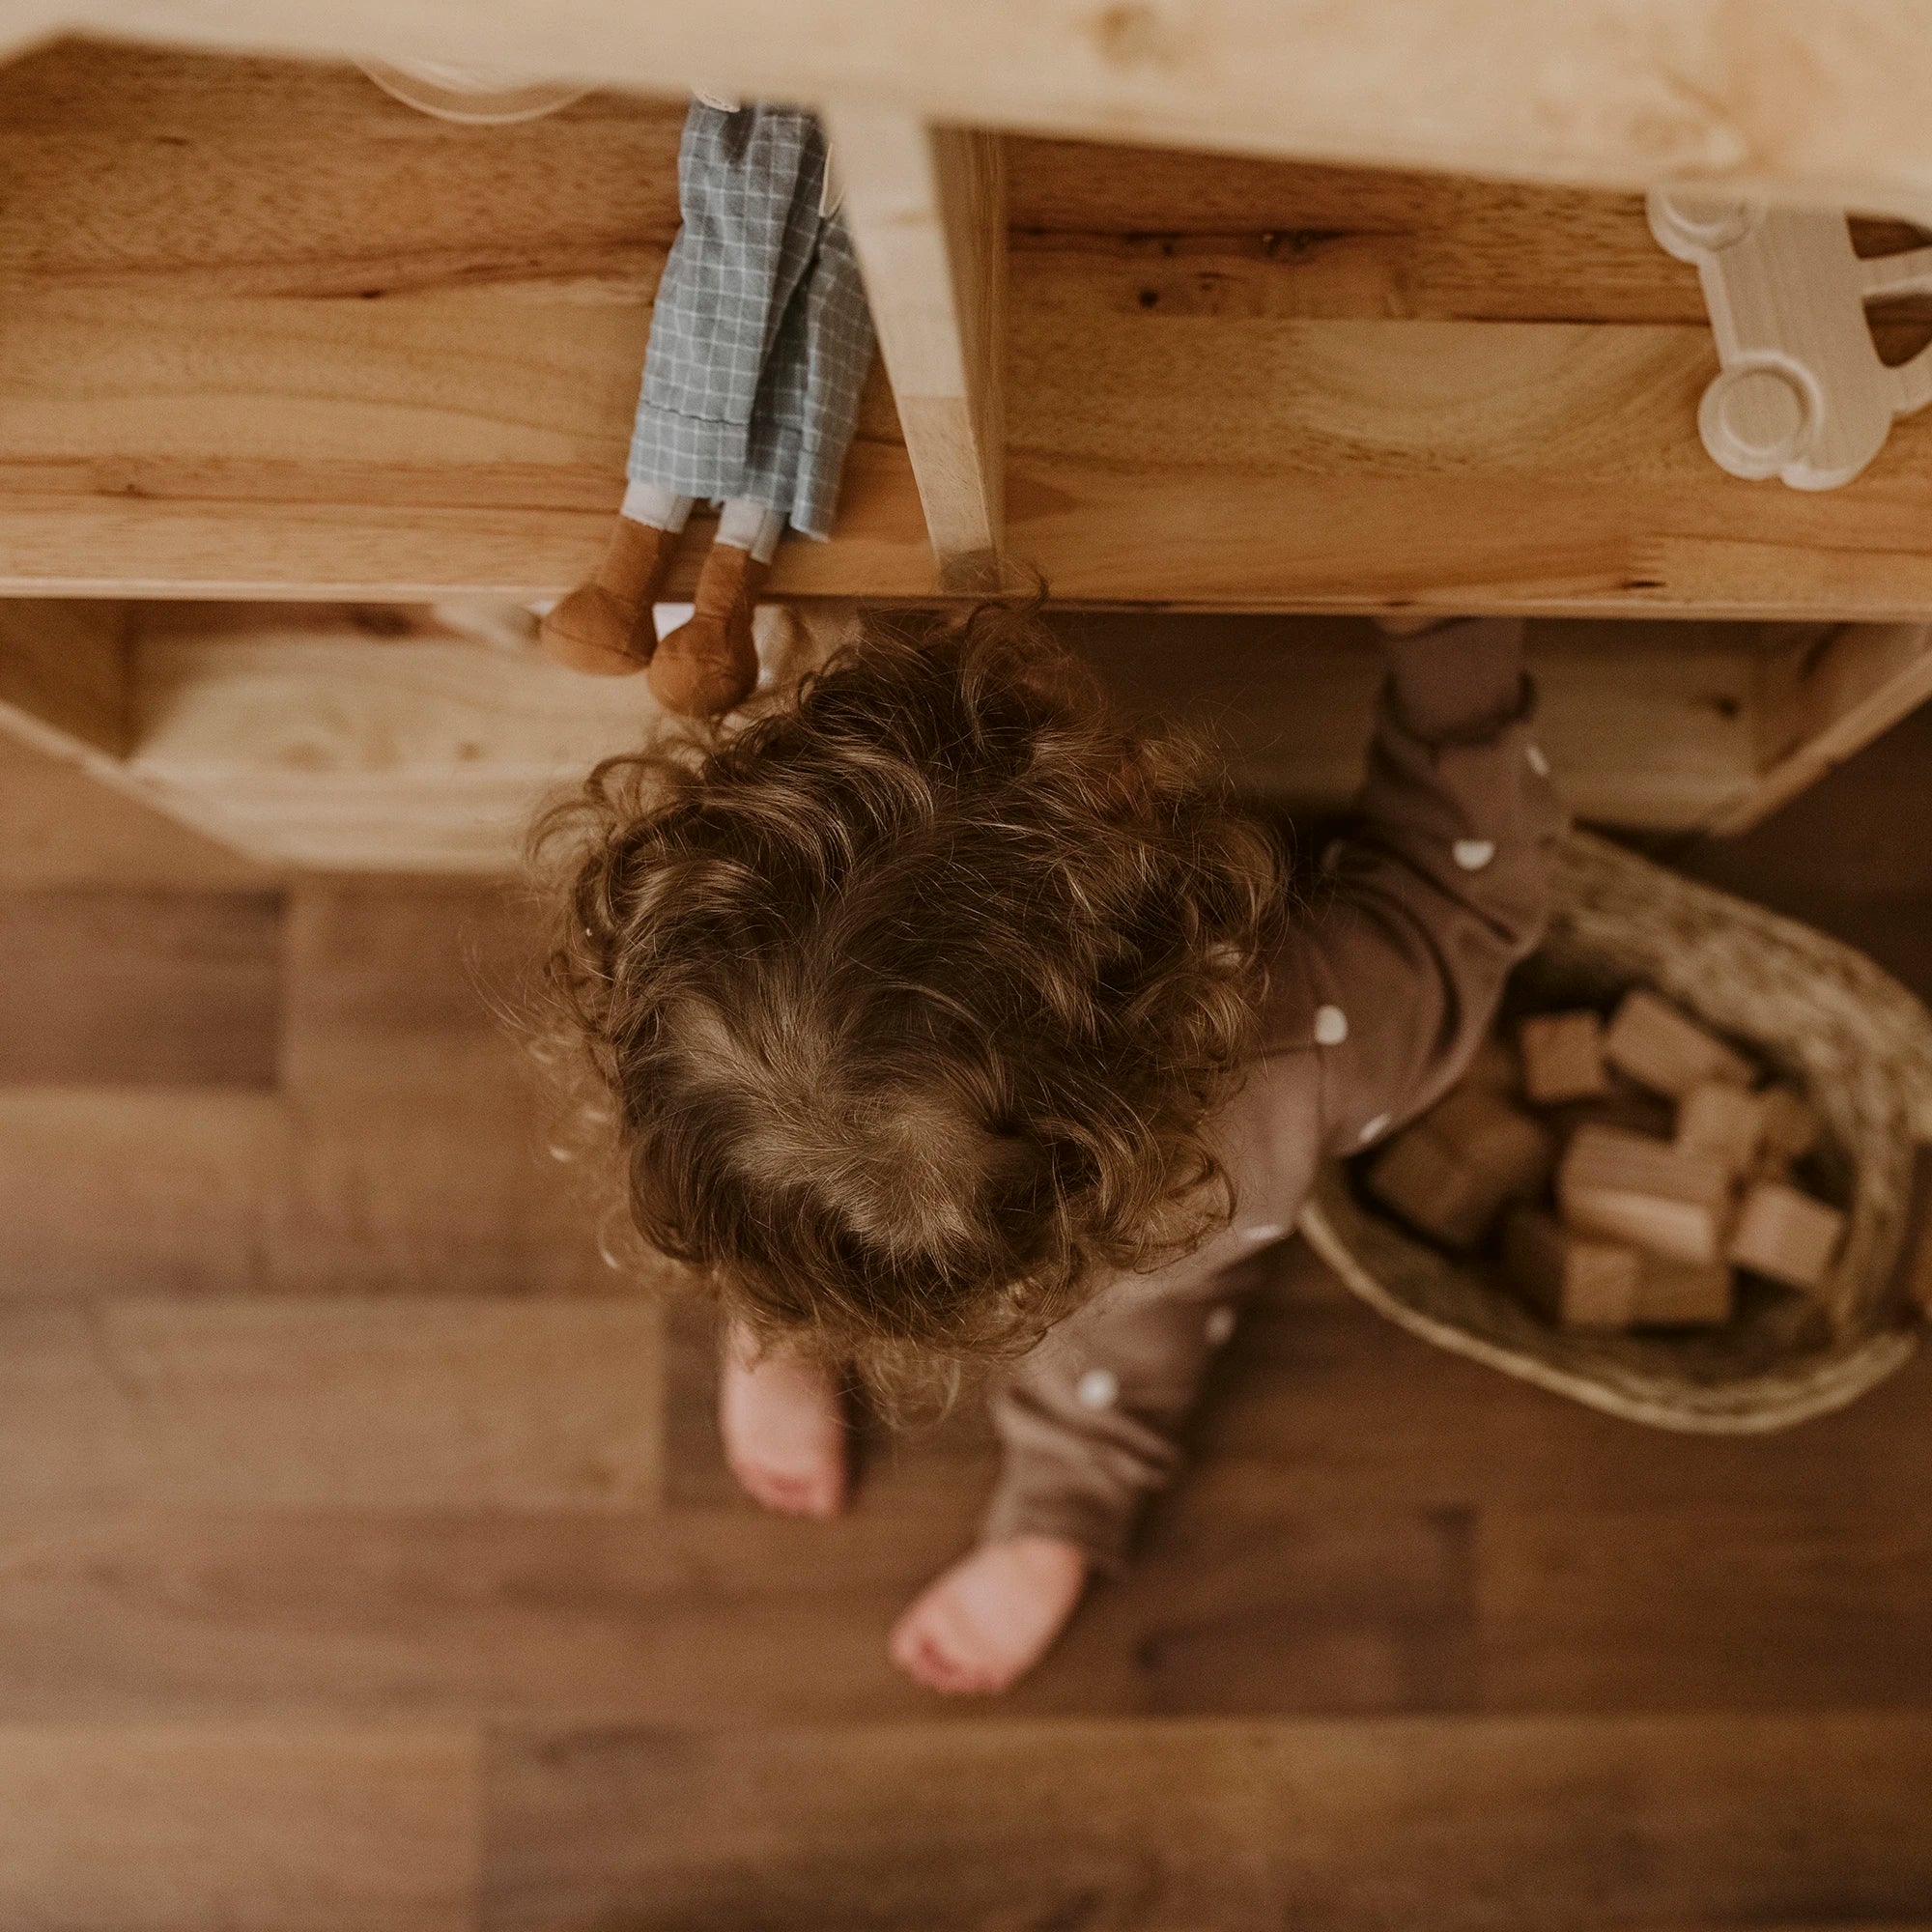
x=267, y=335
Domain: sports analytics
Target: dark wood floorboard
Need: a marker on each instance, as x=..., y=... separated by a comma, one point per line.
x=170, y=1827
x=139, y=987
x=600, y=1616
x=367, y=1559
x=1699, y=1608
x=403, y=1402
x=1457, y=1825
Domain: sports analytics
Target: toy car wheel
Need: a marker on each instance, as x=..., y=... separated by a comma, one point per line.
x=473, y=95
x=1689, y=226
x=1755, y=419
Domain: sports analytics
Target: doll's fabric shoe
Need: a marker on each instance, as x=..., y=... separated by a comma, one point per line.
x=710, y=665
x=604, y=627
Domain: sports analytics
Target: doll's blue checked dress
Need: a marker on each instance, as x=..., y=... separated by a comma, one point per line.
x=761, y=337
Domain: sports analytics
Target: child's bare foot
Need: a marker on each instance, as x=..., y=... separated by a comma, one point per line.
x=990, y=1618
x=783, y=1424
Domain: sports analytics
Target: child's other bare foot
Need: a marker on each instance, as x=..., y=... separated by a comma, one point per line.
x=990, y=1618
x=784, y=1423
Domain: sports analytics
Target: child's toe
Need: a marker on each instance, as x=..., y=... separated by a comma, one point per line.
x=783, y=1429
x=986, y=1623
x=936, y=1644
x=817, y=1493
x=925, y=1655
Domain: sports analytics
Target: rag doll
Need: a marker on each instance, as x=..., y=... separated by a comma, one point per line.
x=761, y=342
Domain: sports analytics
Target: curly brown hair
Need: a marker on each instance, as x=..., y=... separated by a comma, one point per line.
x=914, y=997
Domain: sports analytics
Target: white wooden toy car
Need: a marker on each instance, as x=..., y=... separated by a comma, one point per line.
x=1803, y=394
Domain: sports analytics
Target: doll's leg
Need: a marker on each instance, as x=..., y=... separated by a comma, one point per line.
x=604, y=627
x=782, y=1421
x=711, y=663
x=652, y=505
x=746, y=523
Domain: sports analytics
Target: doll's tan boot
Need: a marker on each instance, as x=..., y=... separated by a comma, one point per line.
x=710, y=665
x=604, y=627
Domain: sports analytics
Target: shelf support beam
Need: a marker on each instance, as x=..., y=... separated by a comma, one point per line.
x=927, y=210
x=1822, y=702
x=64, y=679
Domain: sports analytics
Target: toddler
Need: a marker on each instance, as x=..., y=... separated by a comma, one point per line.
x=947, y=1020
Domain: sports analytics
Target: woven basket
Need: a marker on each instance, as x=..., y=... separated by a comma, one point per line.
x=1821, y=1014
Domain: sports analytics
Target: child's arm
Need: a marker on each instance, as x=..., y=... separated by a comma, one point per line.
x=1443, y=887
x=1385, y=988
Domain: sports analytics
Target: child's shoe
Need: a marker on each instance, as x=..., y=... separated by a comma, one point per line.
x=710, y=665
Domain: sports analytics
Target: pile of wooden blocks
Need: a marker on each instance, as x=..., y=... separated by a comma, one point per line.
x=1627, y=1170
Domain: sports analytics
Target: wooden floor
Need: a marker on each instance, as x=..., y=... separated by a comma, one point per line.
x=365, y=1560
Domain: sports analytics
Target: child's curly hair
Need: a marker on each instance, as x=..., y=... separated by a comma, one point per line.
x=913, y=998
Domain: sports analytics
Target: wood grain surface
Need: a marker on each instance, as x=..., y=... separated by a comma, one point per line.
x=264, y=332
x=367, y=1559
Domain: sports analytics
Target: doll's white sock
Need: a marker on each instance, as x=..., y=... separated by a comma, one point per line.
x=653, y=504
x=750, y=524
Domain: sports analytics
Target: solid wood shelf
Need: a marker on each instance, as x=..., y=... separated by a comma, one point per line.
x=357, y=739
x=264, y=332
x=267, y=334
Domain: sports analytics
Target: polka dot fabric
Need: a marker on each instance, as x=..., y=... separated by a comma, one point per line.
x=1385, y=989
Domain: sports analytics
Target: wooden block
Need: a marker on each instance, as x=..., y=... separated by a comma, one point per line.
x=1682, y=1294
x=1429, y=1188
x=1494, y=1067
x=1451, y=1173
x=1786, y=1236
x=1625, y=1106
x=1791, y=1325
x=1510, y=1147
x=1675, y=1206
x=1576, y=1282
x=1563, y=1058
x=1660, y=1048
x=1791, y=1128
x=1722, y=1123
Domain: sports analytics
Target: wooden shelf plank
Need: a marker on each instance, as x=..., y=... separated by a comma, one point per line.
x=297, y=737
x=1814, y=97
x=382, y=357
x=266, y=333
x=1195, y=233
x=300, y=737
x=139, y=539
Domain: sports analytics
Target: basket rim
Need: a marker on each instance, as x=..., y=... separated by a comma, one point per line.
x=1755, y=1401
x=1854, y=1371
